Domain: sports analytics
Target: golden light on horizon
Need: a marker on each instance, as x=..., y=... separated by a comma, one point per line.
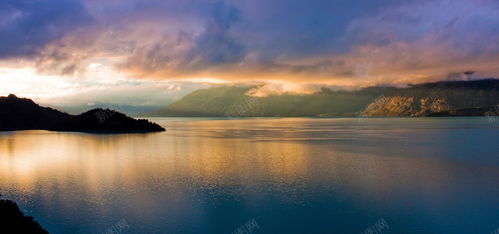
x=27, y=82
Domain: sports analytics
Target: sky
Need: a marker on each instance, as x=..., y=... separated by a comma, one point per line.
x=150, y=52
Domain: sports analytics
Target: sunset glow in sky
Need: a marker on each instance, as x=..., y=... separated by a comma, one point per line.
x=150, y=51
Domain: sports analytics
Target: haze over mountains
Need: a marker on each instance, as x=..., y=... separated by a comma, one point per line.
x=452, y=98
x=417, y=100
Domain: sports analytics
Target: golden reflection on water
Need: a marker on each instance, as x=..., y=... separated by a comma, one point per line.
x=29, y=158
x=196, y=167
x=203, y=154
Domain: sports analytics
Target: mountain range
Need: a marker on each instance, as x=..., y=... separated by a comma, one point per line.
x=447, y=98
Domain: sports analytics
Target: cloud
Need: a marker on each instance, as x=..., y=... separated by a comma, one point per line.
x=26, y=26
x=102, y=88
x=279, y=88
x=321, y=41
x=337, y=42
x=184, y=53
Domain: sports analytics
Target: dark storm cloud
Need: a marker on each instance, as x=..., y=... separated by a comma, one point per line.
x=254, y=35
x=319, y=40
x=26, y=26
x=297, y=28
x=216, y=45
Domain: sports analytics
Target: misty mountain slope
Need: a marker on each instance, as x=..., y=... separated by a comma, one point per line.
x=338, y=103
x=417, y=100
x=439, y=97
x=234, y=101
x=327, y=103
x=207, y=102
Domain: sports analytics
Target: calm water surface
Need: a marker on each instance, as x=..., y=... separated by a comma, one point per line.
x=298, y=175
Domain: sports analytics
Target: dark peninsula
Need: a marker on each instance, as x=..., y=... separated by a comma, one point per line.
x=12, y=220
x=24, y=114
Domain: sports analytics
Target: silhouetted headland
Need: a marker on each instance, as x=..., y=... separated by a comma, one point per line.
x=24, y=114
x=12, y=220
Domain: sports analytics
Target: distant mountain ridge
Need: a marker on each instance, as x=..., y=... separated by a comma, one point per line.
x=234, y=101
x=24, y=114
x=415, y=100
x=441, y=97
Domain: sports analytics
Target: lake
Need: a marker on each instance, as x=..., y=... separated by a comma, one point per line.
x=261, y=175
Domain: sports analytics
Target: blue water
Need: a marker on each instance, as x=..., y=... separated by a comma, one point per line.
x=264, y=175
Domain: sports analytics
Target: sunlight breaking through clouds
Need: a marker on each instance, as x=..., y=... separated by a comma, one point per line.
x=81, y=45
